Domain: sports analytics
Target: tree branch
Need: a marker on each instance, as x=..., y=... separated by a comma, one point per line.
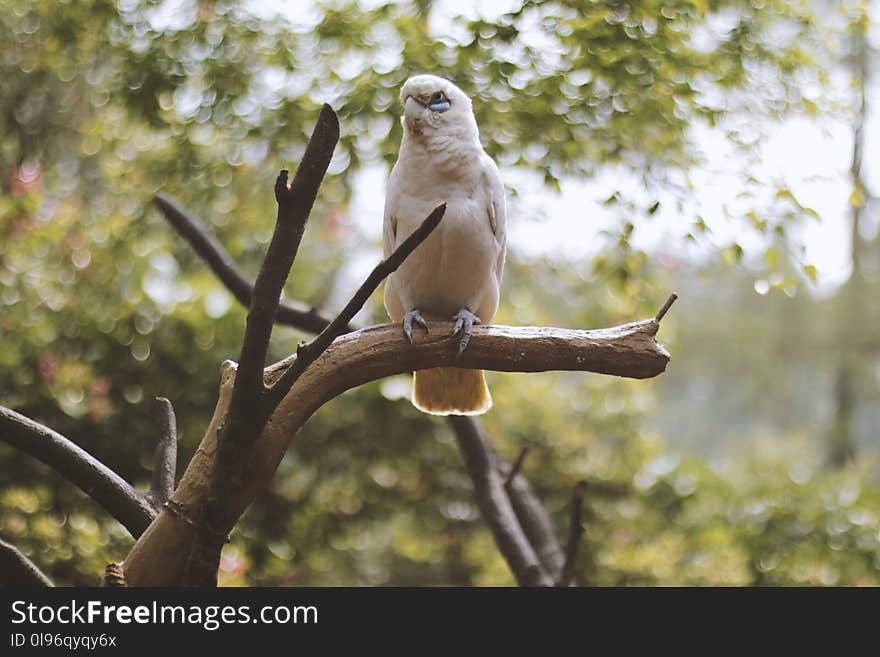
x=249, y=406
x=165, y=458
x=666, y=306
x=357, y=358
x=294, y=205
x=482, y=467
x=17, y=570
x=79, y=467
x=289, y=312
x=536, y=524
x=575, y=532
x=515, y=468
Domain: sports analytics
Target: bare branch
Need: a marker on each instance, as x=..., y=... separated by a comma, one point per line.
x=536, y=524
x=495, y=506
x=294, y=205
x=17, y=570
x=666, y=306
x=250, y=405
x=515, y=468
x=532, y=516
x=76, y=465
x=307, y=354
x=289, y=312
x=165, y=459
x=368, y=355
x=575, y=532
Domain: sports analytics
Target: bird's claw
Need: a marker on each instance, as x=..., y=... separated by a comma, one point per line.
x=413, y=316
x=465, y=320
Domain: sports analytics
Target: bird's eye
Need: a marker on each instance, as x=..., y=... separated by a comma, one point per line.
x=439, y=102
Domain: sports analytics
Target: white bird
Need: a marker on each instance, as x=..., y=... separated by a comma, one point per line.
x=456, y=272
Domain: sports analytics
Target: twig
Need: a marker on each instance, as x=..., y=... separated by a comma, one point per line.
x=575, y=532
x=76, y=465
x=515, y=468
x=307, y=354
x=165, y=458
x=495, y=505
x=17, y=570
x=666, y=306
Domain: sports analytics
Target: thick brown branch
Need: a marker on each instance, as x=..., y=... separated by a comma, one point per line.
x=76, y=465
x=165, y=458
x=575, y=532
x=357, y=358
x=17, y=570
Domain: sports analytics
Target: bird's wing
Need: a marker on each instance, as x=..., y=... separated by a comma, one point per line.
x=389, y=225
x=497, y=209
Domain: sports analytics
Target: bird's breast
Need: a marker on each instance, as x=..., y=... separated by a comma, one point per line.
x=454, y=266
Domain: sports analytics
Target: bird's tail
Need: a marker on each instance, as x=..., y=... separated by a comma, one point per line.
x=451, y=391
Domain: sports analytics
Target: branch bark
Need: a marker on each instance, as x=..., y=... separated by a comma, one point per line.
x=575, y=532
x=79, y=467
x=536, y=524
x=482, y=466
x=17, y=570
x=165, y=458
x=357, y=358
x=250, y=403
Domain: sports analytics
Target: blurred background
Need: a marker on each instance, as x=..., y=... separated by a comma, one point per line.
x=722, y=149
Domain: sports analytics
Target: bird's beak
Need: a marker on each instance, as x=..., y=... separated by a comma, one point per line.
x=412, y=109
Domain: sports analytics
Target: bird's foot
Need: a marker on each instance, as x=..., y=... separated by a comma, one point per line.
x=413, y=317
x=465, y=320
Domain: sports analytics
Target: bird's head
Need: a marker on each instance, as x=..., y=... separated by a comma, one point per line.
x=434, y=106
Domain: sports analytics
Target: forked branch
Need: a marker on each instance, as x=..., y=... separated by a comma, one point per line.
x=368, y=355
